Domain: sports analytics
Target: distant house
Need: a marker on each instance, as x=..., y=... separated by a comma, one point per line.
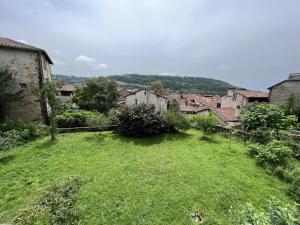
x=280, y=92
x=65, y=92
x=227, y=117
x=30, y=68
x=240, y=99
x=195, y=104
x=148, y=97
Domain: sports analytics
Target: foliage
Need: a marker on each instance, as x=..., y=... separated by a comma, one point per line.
x=98, y=94
x=277, y=213
x=260, y=135
x=205, y=123
x=176, y=120
x=267, y=116
x=66, y=107
x=48, y=97
x=294, y=189
x=60, y=200
x=138, y=120
x=178, y=84
x=6, y=92
x=16, y=133
x=157, y=86
x=80, y=118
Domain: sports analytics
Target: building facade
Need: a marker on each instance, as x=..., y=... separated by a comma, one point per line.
x=148, y=97
x=279, y=93
x=30, y=68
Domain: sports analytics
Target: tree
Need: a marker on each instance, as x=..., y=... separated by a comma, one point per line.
x=48, y=96
x=268, y=116
x=7, y=92
x=99, y=94
x=157, y=86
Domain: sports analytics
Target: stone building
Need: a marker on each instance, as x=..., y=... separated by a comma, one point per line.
x=65, y=92
x=148, y=97
x=30, y=68
x=240, y=99
x=280, y=92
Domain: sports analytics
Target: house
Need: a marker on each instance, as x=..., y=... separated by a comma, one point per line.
x=123, y=93
x=240, y=99
x=148, y=97
x=30, y=67
x=65, y=92
x=227, y=117
x=195, y=104
x=280, y=92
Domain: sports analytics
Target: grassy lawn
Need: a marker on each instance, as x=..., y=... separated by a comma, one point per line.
x=156, y=180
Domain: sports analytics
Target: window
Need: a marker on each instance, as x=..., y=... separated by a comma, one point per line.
x=135, y=101
x=145, y=92
x=23, y=87
x=234, y=97
x=218, y=105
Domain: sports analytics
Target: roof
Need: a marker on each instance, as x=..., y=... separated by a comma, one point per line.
x=189, y=108
x=138, y=90
x=9, y=43
x=252, y=94
x=193, y=99
x=226, y=114
x=70, y=88
x=292, y=77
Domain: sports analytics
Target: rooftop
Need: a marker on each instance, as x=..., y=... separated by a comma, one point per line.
x=9, y=43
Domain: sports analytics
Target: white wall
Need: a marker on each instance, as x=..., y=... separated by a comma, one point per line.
x=147, y=97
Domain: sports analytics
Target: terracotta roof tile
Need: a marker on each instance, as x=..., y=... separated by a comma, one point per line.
x=226, y=114
x=252, y=94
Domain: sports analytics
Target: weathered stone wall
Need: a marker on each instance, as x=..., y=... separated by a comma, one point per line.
x=25, y=68
x=280, y=93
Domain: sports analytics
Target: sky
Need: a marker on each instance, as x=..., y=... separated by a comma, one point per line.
x=251, y=44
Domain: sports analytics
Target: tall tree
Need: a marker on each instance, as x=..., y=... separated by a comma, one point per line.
x=48, y=95
x=99, y=94
x=157, y=86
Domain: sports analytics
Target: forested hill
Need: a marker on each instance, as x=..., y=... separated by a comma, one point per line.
x=171, y=83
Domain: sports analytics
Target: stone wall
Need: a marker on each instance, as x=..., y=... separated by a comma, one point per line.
x=281, y=92
x=25, y=68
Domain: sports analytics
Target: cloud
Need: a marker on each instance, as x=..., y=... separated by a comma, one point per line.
x=166, y=74
x=22, y=41
x=100, y=66
x=85, y=59
x=224, y=67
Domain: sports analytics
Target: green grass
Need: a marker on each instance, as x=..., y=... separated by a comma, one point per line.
x=156, y=180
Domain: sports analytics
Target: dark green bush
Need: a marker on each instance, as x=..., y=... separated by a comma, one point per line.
x=205, y=122
x=175, y=119
x=138, y=120
x=67, y=107
x=294, y=189
x=260, y=135
x=80, y=118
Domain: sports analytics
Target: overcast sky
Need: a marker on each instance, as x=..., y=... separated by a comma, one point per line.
x=253, y=43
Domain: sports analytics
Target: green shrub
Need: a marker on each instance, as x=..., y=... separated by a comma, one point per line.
x=67, y=107
x=175, y=119
x=277, y=213
x=59, y=203
x=138, y=120
x=260, y=135
x=204, y=122
x=274, y=154
x=80, y=118
x=267, y=116
x=294, y=189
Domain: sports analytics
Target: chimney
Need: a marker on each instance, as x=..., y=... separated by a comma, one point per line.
x=294, y=76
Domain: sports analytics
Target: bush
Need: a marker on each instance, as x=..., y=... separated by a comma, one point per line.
x=204, y=122
x=267, y=116
x=138, y=120
x=260, y=135
x=60, y=201
x=80, y=118
x=16, y=133
x=277, y=213
x=294, y=190
x=67, y=107
x=175, y=119
x=274, y=154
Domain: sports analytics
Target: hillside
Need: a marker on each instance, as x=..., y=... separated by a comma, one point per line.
x=172, y=83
